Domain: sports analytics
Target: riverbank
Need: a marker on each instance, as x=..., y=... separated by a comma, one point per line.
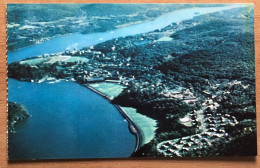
x=132, y=126
x=147, y=125
x=108, y=88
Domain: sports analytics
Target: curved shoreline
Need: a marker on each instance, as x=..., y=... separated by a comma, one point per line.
x=133, y=128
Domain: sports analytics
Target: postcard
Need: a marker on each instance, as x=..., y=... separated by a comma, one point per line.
x=130, y=80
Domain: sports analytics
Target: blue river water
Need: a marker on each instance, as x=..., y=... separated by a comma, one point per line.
x=78, y=40
x=69, y=120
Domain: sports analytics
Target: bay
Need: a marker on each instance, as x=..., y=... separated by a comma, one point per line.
x=67, y=121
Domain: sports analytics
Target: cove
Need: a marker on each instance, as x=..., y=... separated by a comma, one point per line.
x=67, y=121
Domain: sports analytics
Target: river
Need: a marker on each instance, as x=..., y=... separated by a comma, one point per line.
x=68, y=120
x=77, y=40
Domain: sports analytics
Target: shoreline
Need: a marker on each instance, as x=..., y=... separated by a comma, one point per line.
x=133, y=128
x=34, y=43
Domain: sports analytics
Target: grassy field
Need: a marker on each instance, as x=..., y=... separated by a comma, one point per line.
x=51, y=60
x=146, y=124
x=110, y=89
x=34, y=61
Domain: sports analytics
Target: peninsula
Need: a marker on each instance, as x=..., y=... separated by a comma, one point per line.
x=16, y=113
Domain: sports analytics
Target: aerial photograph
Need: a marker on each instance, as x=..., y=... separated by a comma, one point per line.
x=130, y=80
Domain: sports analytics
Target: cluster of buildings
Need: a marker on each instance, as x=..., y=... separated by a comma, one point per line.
x=184, y=94
x=209, y=141
x=211, y=126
